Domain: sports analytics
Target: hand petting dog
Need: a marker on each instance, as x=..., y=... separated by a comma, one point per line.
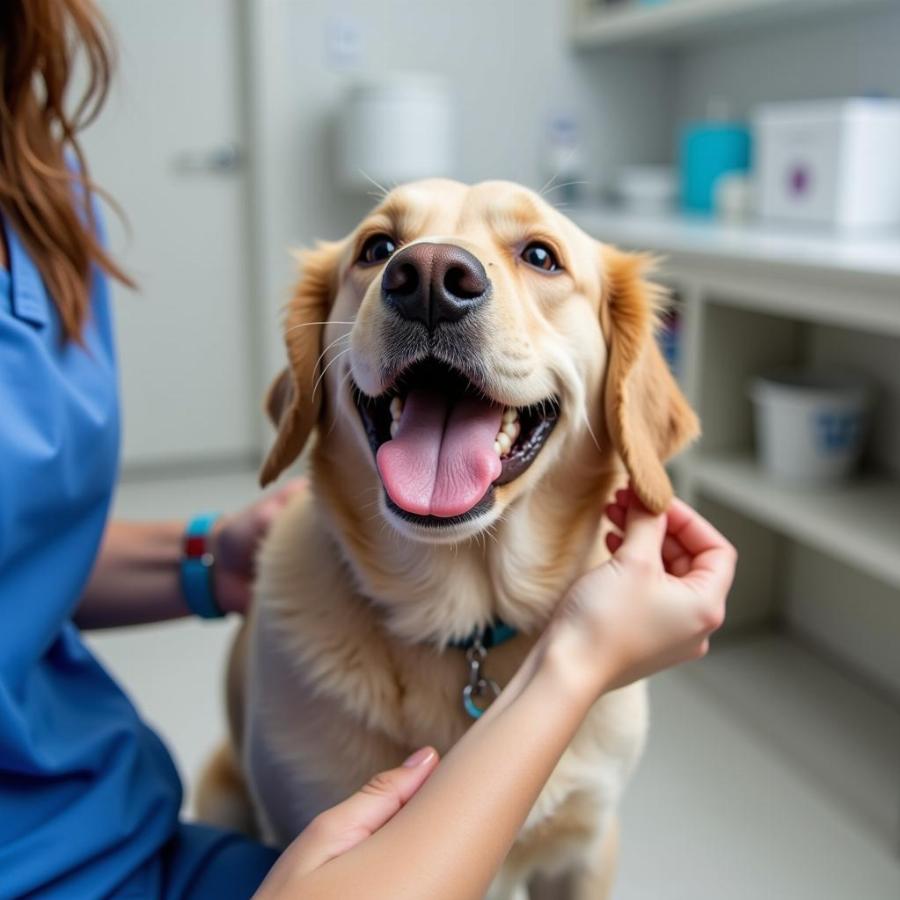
x=237, y=538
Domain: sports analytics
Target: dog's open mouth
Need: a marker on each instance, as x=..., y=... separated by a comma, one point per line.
x=441, y=445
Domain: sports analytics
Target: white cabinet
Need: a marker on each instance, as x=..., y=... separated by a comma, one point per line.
x=162, y=148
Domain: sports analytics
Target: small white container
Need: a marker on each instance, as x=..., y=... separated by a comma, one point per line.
x=810, y=426
x=396, y=128
x=647, y=189
x=831, y=163
x=733, y=198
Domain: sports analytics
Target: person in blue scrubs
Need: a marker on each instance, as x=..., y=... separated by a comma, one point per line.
x=89, y=795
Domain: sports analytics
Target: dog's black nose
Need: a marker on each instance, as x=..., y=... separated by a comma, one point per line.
x=433, y=283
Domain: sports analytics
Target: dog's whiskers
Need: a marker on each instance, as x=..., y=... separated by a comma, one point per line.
x=565, y=163
x=565, y=184
x=330, y=364
x=587, y=422
x=384, y=191
x=341, y=337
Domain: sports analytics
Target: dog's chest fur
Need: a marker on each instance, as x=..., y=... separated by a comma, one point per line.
x=333, y=696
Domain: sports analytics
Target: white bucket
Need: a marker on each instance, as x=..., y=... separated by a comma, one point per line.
x=810, y=426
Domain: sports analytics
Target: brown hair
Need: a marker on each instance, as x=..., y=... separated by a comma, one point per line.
x=43, y=173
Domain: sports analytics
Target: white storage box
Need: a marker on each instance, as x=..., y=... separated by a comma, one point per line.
x=834, y=163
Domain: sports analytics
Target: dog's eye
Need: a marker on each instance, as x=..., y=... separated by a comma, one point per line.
x=540, y=256
x=377, y=249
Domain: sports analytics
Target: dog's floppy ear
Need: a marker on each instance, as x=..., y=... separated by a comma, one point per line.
x=647, y=416
x=291, y=402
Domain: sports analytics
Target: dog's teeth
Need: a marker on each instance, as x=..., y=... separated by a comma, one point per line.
x=395, y=427
x=512, y=429
x=396, y=408
x=497, y=448
x=504, y=442
x=510, y=414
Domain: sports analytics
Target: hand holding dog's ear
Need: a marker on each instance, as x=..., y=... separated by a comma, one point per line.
x=237, y=538
x=655, y=603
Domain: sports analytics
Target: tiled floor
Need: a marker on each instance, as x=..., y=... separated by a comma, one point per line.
x=717, y=811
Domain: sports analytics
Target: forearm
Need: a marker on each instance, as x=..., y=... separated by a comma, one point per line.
x=136, y=578
x=449, y=841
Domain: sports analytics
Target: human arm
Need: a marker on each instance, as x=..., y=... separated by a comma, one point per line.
x=442, y=831
x=137, y=575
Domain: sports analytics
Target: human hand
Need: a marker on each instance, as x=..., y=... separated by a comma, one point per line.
x=651, y=606
x=342, y=827
x=236, y=539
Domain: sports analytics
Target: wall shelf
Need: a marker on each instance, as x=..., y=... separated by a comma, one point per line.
x=683, y=21
x=874, y=255
x=856, y=522
x=790, y=271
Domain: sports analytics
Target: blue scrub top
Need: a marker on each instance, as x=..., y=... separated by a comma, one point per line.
x=88, y=793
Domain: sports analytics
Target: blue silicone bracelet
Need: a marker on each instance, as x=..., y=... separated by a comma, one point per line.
x=197, y=568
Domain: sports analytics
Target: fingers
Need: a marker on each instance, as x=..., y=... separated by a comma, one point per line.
x=676, y=560
x=269, y=507
x=342, y=827
x=616, y=514
x=691, y=546
x=613, y=541
x=693, y=531
x=276, y=501
x=291, y=489
x=712, y=559
x=712, y=572
x=643, y=532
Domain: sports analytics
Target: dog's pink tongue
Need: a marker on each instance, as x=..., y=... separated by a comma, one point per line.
x=442, y=460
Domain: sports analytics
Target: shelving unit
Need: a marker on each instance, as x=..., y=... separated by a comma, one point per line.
x=753, y=297
x=747, y=292
x=858, y=523
x=670, y=22
x=808, y=660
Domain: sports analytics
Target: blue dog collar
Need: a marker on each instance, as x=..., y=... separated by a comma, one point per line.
x=489, y=637
x=479, y=689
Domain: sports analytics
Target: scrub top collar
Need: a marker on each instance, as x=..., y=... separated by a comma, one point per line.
x=28, y=296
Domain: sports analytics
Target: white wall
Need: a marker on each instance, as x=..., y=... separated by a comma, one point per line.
x=511, y=66
x=836, y=56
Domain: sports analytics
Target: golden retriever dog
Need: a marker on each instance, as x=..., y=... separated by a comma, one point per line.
x=480, y=376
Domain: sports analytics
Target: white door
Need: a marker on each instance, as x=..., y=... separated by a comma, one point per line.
x=161, y=148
